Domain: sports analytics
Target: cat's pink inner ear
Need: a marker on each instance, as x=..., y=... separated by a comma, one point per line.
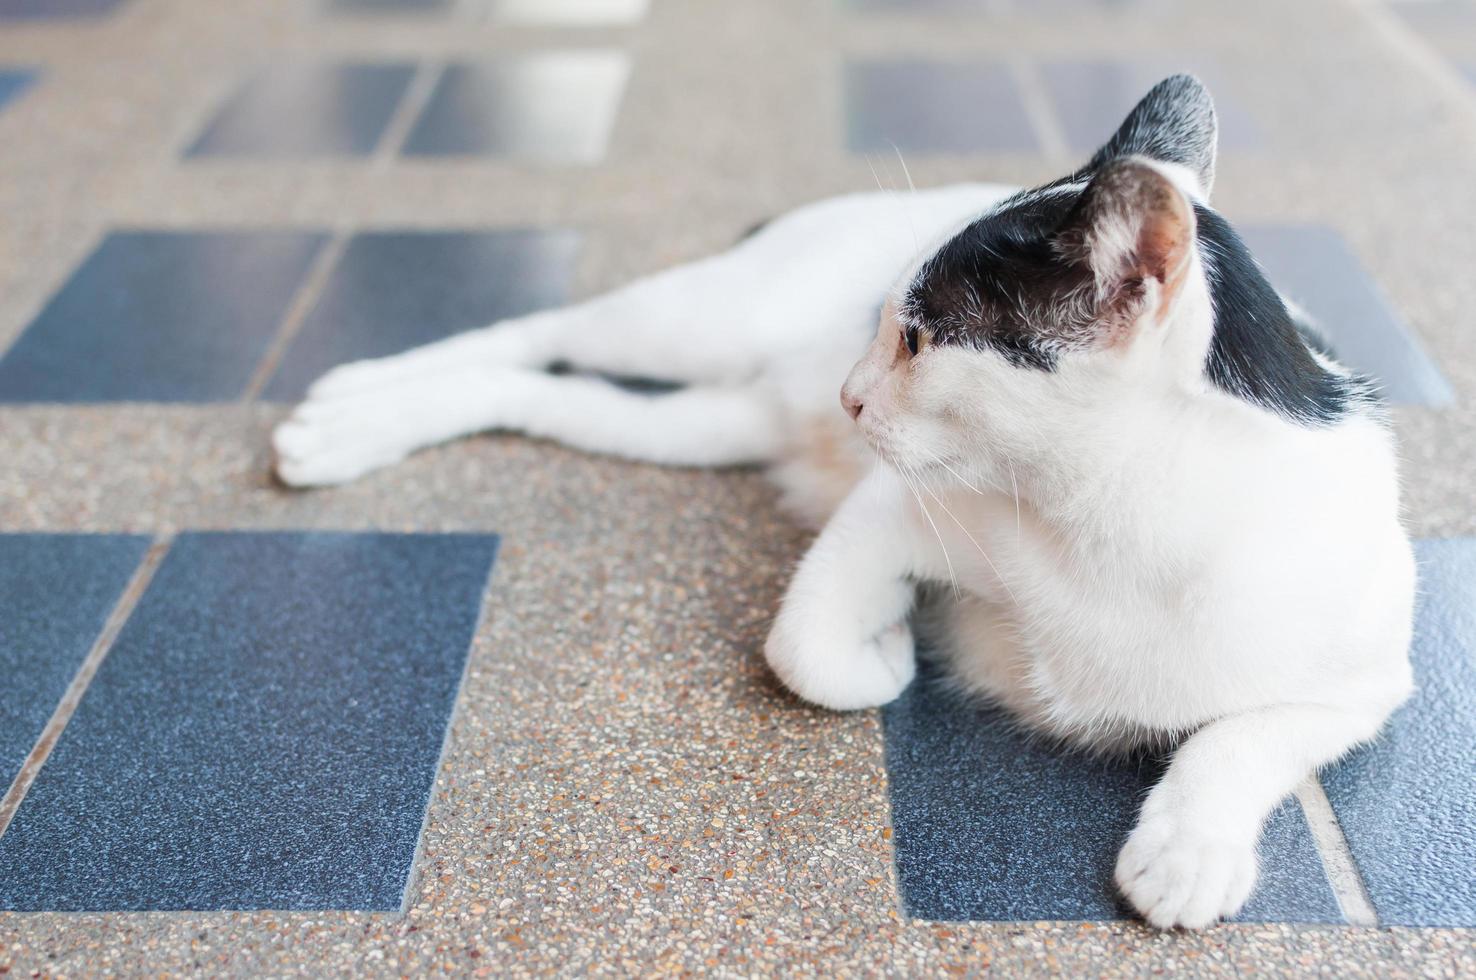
x=1131, y=225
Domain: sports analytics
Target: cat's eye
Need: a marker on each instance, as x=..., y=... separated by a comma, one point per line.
x=917, y=339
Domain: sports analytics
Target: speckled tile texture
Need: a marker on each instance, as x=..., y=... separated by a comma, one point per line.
x=994, y=824
x=56, y=592
x=625, y=790
x=263, y=733
x=1407, y=803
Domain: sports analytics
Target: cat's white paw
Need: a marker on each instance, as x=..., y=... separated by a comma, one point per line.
x=844, y=679
x=356, y=377
x=334, y=440
x=1177, y=875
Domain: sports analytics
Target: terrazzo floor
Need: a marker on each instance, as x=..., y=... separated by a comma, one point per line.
x=587, y=769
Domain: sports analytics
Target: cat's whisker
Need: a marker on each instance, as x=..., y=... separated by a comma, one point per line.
x=1015, y=489
x=902, y=471
x=974, y=541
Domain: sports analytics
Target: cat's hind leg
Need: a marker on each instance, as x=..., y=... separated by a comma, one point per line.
x=695, y=323
x=333, y=440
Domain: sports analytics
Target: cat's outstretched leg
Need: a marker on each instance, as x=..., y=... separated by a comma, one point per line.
x=841, y=639
x=694, y=323
x=333, y=440
x=1191, y=859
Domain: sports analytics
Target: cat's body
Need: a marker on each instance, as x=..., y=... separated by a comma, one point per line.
x=1162, y=516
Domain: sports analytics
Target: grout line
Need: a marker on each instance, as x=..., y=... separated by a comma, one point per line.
x=302, y=303
x=41, y=751
x=1419, y=52
x=1337, y=860
x=417, y=96
x=1036, y=100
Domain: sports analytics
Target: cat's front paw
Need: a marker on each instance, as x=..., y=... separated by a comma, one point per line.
x=844, y=679
x=1175, y=874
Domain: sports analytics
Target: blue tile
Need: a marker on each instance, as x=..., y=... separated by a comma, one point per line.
x=56, y=592
x=934, y=107
x=160, y=316
x=14, y=81
x=546, y=108
x=48, y=9
x=1407, y=803
x=1312, y=266
x=993, y=825
x=265, y=732
x=1091, y=99
x=395, y=290
x=307, y=110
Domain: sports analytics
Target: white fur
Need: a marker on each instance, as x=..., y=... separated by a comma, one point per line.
x=1137, y=555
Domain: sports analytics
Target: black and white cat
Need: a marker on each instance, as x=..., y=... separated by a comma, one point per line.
x=1168, y=517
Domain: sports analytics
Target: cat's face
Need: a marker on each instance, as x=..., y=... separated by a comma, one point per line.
x=1062, y=304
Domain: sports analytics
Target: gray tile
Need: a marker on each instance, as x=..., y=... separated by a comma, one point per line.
x=993, y=825
x=390, y=6
x=48, y=9
x=934, y=107
x=264, y=733
x=1312, y=266
x=160, y=316
x=307, y=110
x=14, y=81
x=1407, y=802
x=569, y=13
x=56, y=592
x=396, y=290
x=548, y=108
x=1091, y=99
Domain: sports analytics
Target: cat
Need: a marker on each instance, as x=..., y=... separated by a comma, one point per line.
x=1162, y=514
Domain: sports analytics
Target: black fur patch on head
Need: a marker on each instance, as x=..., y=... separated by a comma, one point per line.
x=993, y=283
x=1259, y=352
x=999, y=284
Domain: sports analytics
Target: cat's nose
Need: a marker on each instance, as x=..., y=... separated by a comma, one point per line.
x=852, y=404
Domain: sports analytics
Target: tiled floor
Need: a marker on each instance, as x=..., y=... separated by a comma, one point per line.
x=263, y=733
x=554, y=107
x=312, y=714
x=14, y=81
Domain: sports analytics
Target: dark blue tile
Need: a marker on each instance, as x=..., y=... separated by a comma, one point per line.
x=395, y=290
x=307, y=110
x=992, y=825
x=14, y=81
x=548, y=108
x=47, y=9
x=1091, y=99
x=264, y=733
x=934, y=107
x=1312, y=266
x=1407, y=803
x=56, y=592
x=160, y=316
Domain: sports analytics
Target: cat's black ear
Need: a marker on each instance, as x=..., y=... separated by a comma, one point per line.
x=1174, y=123
x=1133, y=229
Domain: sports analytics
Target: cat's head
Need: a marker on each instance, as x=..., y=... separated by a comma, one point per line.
x=1068, y=308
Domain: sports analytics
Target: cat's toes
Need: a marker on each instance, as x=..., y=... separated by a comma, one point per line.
x=1174, y=876
x=845, y=679
x=319, y=446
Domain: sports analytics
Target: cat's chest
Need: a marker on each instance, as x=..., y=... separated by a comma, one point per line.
x=1090, y=636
